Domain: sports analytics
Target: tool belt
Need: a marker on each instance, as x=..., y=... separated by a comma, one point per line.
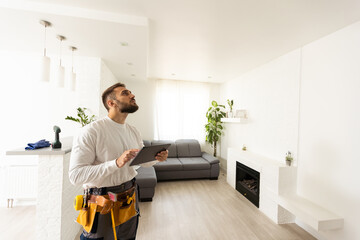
x=121, y=205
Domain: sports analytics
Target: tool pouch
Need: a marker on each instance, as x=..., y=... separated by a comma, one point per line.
x=123, y=211
x=86, y=216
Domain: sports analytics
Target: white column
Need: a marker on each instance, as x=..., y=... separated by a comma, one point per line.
x=54, y=212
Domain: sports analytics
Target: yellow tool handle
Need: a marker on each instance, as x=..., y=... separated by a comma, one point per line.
x=78, y=202
x=113, y=223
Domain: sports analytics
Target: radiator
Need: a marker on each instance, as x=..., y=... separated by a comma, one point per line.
x=21, y=182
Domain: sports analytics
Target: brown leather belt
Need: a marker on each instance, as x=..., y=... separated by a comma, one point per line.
x=105, y=190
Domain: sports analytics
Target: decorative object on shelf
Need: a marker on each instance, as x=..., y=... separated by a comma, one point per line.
x=214, y=126
x=288, y=158
x=61, y=69
x=72, y=73
x=83, y=118
x=241, y=113
x=244, y=147
x=56, y=143
x=231, y=104
x=45, y=71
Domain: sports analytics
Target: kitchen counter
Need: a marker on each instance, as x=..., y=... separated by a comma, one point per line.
x=65, y=148
x=55, y=194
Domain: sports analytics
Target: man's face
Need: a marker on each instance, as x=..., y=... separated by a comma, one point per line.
x=125, y=100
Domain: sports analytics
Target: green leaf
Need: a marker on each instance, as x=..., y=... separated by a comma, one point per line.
x=83, y=119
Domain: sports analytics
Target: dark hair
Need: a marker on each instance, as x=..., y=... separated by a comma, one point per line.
x=109, y=93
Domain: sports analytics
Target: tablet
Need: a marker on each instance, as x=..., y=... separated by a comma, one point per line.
x=147, y=154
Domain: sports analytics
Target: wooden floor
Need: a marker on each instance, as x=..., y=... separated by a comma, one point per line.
x=182, y=210
x=206, y=210
x=17, y=222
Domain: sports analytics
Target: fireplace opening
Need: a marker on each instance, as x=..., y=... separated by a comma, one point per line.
x=248, y=183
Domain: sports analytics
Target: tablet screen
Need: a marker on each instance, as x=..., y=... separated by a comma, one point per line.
x=147, y=154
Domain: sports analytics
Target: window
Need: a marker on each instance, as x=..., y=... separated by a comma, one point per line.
x=180, y=110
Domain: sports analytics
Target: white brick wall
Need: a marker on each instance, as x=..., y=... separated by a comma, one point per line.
x=55, y=214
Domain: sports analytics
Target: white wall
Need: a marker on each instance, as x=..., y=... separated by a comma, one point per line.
x=107, y=79
x=31, y=108
x=143, y=119
x=328, y=125
x=270, y=95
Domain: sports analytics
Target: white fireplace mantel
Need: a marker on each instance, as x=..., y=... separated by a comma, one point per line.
x=275, y=178
x=278, y=196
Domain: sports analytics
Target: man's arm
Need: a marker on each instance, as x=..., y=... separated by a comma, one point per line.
x=82, y=159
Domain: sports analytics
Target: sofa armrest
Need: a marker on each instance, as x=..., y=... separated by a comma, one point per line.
x=211, y=159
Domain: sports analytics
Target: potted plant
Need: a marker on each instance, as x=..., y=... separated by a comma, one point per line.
x=230, y=103
x=214, y=126
x=83, y=119
x=288, y=158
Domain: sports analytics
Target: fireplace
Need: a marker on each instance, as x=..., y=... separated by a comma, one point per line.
x=248, y=183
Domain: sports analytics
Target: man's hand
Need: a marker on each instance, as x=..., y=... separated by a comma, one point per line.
x=125, y=157
x=162, y=156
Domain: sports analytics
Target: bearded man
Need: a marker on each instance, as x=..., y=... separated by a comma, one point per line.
x=100, y=161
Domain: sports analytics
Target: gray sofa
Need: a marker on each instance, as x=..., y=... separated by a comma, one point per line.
x=185, y=161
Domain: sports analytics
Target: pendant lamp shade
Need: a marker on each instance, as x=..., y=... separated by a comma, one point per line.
x=45, y=61
x=61, y=69
x=45, y=69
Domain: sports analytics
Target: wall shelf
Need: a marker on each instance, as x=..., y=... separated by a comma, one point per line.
x=231, y=120
x=310, y=213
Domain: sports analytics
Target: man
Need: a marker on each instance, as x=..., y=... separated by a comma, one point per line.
x=100, y=160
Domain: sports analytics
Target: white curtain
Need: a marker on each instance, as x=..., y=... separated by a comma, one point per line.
x=180, y=109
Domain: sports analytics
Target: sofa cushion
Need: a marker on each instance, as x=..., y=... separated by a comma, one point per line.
x=210, y=158
x=172, y=148
x=194, y=163
x=188, y=148
x=171, y=164
x=146, y=177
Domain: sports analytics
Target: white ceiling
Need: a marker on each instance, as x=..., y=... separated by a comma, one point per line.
x=197, y=40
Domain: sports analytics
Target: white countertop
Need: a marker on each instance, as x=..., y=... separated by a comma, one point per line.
x=65, y=148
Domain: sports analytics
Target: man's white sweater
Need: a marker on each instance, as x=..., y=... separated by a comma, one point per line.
x=95, y=150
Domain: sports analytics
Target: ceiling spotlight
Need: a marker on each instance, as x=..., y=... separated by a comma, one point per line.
x=173, y=74
x=129, y=63
x=45, y=73
x=133, y=75
x=124, y=44
x=209, y=76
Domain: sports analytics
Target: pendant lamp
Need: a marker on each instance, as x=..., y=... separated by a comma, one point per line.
x=72, y=73
x=45, y=61
x=61, y=69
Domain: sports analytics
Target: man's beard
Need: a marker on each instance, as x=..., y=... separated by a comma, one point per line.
x=127, y=108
